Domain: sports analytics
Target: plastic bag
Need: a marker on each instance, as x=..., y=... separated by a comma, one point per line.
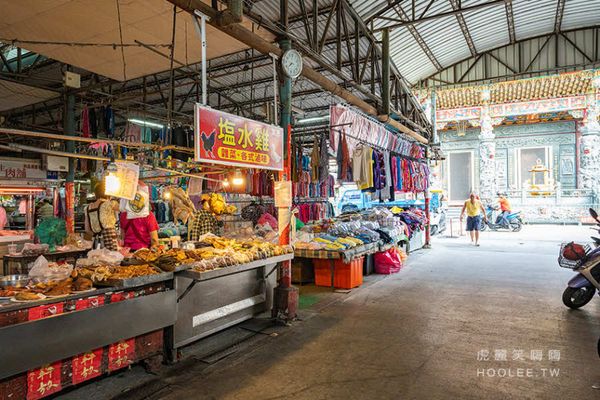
x=387, y=262
x=43, y=271
x=31, y=249
x=101, y=257
x=267, y=218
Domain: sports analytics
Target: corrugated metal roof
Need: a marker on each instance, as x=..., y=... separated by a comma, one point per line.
x=487, y=26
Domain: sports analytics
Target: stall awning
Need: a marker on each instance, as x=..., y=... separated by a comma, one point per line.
x=146, y=21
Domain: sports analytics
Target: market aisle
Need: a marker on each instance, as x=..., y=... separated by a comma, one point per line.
x=417, y=334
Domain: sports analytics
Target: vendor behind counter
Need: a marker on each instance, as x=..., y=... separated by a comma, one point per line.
x=139, y=227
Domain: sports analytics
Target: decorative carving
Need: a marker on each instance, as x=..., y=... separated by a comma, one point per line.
x=440, y=125
x=589, y=171
x=487, y=162
x=590, y=122
x=487, y=170
x=487, y=128
x=577, y=114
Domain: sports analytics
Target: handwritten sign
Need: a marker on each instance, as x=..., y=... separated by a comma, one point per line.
x=128, y=175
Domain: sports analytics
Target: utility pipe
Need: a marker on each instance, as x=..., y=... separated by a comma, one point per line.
x=402, y=128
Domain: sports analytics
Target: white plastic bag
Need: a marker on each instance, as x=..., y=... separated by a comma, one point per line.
x=101, y=257
x=43, y=271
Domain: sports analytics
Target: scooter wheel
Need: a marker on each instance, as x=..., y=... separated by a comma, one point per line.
x=578, y=297
x=516, y=226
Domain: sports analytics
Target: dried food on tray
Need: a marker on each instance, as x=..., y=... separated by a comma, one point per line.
x=146, y=255
x=8, y=292
x=61, y=288
x=131, y=271
x=28, y=296
x=82, y=284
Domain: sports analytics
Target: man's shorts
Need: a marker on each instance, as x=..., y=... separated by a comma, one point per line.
x=473, y=223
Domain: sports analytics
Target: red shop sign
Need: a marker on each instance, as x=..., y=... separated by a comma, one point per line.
x=87, y=366
x=222, y=138
x=44, y=381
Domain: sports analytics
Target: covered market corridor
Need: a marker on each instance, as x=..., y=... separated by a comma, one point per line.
x=459, y=322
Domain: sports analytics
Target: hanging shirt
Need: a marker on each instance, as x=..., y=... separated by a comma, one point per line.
x=3, y=218
x=315, y=160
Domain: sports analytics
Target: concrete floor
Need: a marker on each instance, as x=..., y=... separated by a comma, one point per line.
x=417, y=334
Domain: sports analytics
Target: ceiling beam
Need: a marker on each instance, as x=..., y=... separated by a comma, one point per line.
x=460, y=18
x=400, y=22
x=560, y=11
x=420, y=41
x=510, y=21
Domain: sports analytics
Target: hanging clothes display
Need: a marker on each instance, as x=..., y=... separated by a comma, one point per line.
x=93, y=122
x=362, y=167
x=386, y=190
x=343, y=159
x=313, y=211
x=314, y=160
x=85, y=122
x=323, y=160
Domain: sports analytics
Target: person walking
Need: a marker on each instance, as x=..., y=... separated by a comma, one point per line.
x=475, y=212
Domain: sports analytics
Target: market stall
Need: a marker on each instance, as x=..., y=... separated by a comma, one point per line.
x=68, y=325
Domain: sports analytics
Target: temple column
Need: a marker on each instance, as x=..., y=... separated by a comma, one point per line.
x=487, y=152
x=589, y=159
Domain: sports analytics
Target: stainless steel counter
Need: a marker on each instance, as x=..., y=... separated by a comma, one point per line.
x=214, y=300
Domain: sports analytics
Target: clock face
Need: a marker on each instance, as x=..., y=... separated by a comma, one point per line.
x=291, y=62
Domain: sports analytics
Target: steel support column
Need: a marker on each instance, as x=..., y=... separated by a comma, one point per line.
x=285, y=295
x=385, y=68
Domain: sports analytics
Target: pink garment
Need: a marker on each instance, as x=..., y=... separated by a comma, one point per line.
x=3, y=219
x=23, y=206
x=267, y=218
x=137, y=231
x=85, y=122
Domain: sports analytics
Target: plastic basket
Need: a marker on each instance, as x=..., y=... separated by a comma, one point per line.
x=572, y=264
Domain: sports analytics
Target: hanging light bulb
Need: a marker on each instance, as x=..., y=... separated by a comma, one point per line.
x=238, y=179
x=167, y=195
x=226, y=183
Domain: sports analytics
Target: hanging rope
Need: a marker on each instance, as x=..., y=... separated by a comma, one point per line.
x=121, y=36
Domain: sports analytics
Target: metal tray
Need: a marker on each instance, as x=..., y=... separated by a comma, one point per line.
x=138, y=281
x=234, y=269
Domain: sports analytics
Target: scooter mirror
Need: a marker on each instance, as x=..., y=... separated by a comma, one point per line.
x=593, y=213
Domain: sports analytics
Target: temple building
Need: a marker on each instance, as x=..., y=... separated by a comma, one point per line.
x=537, y=140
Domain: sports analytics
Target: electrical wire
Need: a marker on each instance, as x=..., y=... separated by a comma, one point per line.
x=121, y=36
x=81, y=44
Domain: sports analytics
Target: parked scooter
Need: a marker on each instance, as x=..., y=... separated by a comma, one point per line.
x=437, y=220
x=584, y=260
x=515, y=223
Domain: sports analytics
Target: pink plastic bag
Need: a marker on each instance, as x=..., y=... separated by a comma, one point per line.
x=387, y=262
x=267, y=218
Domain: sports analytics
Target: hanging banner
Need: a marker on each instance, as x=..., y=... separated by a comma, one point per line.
x=226, y=139
x=359, y=128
